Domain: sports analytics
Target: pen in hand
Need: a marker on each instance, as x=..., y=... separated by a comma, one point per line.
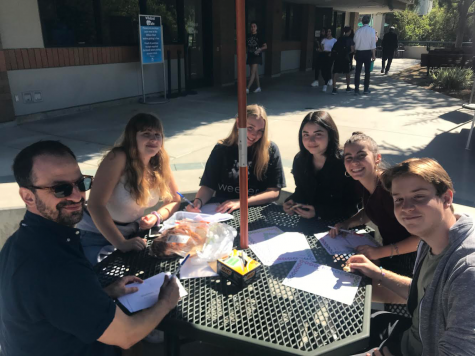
x=177, y=272
x=343, y=230
x=183, y=197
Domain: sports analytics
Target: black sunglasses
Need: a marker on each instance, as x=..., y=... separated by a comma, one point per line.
x=64, y=190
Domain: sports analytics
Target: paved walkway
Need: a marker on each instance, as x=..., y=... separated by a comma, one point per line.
x=405, y=120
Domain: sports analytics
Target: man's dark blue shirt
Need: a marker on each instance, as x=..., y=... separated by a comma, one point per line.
x=51, y=302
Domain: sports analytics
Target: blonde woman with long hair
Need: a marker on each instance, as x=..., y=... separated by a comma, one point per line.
x=133, y=176
x=221, y=175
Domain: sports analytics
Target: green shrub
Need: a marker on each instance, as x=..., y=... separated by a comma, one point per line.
x=454, y=78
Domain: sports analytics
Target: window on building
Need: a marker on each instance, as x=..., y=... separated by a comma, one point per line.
x=339, y=23
x=69, y=23
x=167, y=9
x=119, y=22
x=255, y=12
x=291, y=22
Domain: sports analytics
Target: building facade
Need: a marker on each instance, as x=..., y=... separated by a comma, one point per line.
x=60, y=54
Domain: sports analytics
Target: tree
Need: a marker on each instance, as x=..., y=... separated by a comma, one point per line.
x=463, y=7
x=439, y=25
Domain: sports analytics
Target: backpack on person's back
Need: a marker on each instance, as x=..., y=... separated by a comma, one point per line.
x=342, y=47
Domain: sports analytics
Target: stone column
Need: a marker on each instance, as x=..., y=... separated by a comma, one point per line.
x=224, y=41
x=273, y=37
x=354, y=16
x=308, y=34
x=7, y=113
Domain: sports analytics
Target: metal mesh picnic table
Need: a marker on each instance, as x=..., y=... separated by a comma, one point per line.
x=265, y=317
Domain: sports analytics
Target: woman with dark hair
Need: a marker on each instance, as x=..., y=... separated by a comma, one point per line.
x=255, y=44
x=327, y=59
x=318, y=56
x=321, y=188
x=363, y=164
x=133, y=176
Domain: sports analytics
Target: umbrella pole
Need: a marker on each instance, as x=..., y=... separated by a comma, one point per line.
x=242, y=122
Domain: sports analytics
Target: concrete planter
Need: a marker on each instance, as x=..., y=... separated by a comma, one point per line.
x=414, y=52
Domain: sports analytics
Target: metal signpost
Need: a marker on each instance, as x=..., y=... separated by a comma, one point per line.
x=151, y=48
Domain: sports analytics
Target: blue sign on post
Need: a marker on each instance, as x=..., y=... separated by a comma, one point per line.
x=151, y=43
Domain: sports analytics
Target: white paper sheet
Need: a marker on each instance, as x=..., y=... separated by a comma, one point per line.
x=147, y=294
x=323, y=280
x=196, y=268
x=344, y=244
x=272, y=246
x=209, y=208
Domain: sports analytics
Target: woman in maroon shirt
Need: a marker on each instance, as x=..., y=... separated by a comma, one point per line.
x=362, y=161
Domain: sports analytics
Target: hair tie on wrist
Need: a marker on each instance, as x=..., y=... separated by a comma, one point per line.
x=159, y=217
x=201, y=201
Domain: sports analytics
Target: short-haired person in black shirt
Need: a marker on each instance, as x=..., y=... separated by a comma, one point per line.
x=321, y=188
x=390, y=44
x=221, y=175
x=51, y=302
x=255, y=44
x=342, y=51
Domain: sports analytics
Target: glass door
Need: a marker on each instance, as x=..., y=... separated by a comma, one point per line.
x=194, y=40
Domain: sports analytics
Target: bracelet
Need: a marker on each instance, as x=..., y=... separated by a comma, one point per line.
x=380, y=282
x=201, y=201
x=392, y=252
x=396, y=248
x=159, y=217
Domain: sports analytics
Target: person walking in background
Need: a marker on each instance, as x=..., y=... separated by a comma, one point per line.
x=365, y=46
x=318, y=56
x=327, y=59
x=342, y=50
x=255, y=44
x=390, y=44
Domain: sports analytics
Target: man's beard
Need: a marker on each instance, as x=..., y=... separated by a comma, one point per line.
x=59, y=215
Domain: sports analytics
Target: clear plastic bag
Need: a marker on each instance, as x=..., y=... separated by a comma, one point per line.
x=182, y=239
x=182, y=216
x=219, y=242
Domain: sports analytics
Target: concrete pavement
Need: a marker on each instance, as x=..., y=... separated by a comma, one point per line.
x=405, y=120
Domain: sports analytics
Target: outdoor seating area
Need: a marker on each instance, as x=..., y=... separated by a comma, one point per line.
x=237, y=177
x=264, y=317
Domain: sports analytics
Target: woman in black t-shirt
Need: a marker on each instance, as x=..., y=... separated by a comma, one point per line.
x=321, y=188
x=221, y=175
x=255, y=44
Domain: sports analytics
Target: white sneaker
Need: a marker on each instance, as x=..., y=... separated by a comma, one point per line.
x=314, y=84
x=324, y=88
x=330, y=82
x=258, y=90
x=247, y=91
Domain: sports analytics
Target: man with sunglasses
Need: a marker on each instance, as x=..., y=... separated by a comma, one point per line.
x=51, y=302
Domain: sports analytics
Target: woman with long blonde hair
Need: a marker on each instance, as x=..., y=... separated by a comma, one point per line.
x=221, y=175
x=133, y=176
